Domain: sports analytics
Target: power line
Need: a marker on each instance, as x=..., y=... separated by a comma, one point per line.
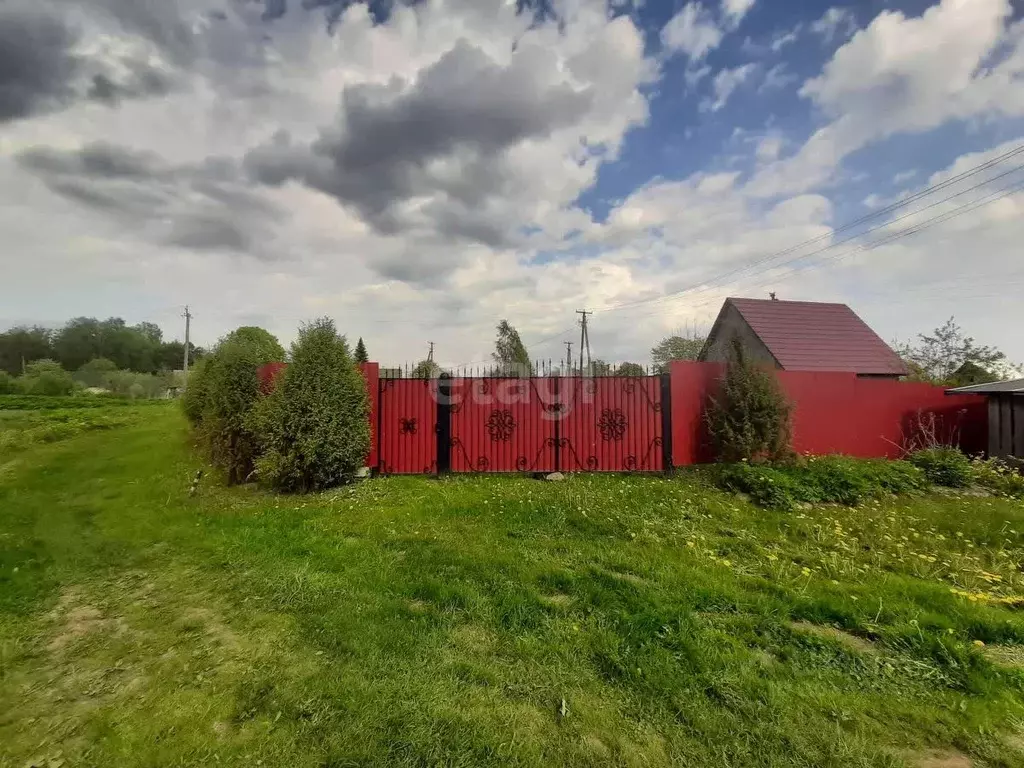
x=915, y=228
x=908, y=231
x=849, y=225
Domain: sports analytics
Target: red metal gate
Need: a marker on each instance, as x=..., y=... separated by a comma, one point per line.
x=612, y=424
x=407, y=426
x=540, y=424
x=503, y=424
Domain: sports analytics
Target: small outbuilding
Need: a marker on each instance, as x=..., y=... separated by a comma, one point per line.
x=1005, y=415
x=801, y=336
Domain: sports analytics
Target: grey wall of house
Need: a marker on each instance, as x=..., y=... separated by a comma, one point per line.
x=1006, y=425
x=733, y=326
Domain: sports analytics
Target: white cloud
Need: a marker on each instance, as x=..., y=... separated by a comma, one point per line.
x=837, y=23
x=725, y=82
x=902, y=176
x=958, y=60
x=693, y=75
x=768, y=149
x=241, y=253
x=735, y=10
x=785, y=37
x=692, y=31
x=777, y=78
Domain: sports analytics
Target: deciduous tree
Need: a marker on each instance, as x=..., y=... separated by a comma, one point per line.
x=509, y=352
x=630, y=369
x=23, y=345
x=939, y=355
x=676, y=347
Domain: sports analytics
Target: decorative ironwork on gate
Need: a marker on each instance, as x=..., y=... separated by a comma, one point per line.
x=537, y=424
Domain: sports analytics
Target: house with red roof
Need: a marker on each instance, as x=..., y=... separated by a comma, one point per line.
x=801, y=336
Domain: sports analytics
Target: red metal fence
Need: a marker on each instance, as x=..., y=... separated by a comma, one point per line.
x=645, y=423
x=834, y=413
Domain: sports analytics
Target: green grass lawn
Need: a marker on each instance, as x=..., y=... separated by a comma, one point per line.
x=604, y=620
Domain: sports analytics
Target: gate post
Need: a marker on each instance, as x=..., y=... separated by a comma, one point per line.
x=444, y=423
x=666, y=421
x=556, y=408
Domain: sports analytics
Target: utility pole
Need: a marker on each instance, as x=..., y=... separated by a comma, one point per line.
x=188, y=327
x=584, y=339
x=568, y=358
x=430, y=354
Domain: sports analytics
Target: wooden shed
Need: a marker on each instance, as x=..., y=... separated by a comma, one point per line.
x=1005, y=415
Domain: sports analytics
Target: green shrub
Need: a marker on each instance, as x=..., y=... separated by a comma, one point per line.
x=767, y=486
x=944, y=466
x=998, y=476
x=264, y=347
x=314, y=429
x=46, y=377
x=193, y=402
x=231, y=391
x=822, y=480
x=8, y=384
x=96, y=372
x=750, y=418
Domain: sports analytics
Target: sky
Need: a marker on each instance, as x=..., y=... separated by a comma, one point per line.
x=419, y=171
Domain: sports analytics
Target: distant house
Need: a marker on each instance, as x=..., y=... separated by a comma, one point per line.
x=1005, y=415
x=801, y=336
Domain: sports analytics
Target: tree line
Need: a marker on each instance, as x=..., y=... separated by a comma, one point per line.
x=139, y=348
x=95, y=350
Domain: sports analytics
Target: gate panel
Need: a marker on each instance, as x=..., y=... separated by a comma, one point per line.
x=503, y=424
x=407, y=426
x=611, y=424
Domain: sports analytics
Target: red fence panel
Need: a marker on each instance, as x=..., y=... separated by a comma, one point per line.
x=874, y=418
x=611, y=424
x=692, y=386
x=503, y=424
x=407, y=426
x=833, y=413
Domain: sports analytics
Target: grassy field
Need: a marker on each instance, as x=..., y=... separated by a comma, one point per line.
x=603, y=620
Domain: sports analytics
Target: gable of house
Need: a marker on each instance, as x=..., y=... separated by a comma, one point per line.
x=801, y=336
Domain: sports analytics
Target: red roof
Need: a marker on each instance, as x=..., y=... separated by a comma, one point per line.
x=814, y=336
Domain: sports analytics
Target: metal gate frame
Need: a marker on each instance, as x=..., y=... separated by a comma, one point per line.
x=557, y=450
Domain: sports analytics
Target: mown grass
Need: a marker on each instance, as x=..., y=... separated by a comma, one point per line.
x=410, y=621
x=54, y=421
